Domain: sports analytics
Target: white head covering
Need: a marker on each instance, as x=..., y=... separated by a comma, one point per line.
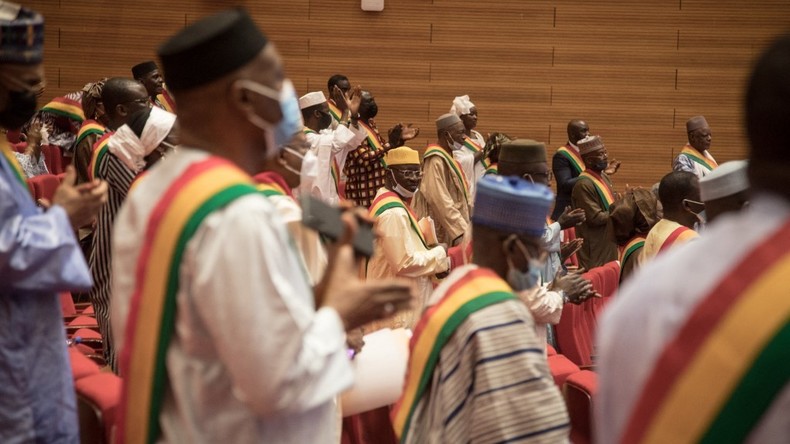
x=462, y=105
x=132, y=150
x=729, y=178
x=311, y=99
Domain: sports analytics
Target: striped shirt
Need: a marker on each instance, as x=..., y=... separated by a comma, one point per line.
x=119, y=178
x=492, y=383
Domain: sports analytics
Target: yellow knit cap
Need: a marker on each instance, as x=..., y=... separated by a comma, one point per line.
x=402, y=156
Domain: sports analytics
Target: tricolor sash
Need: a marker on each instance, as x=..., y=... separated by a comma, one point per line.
x=696, y=156
x=601, y=186
x=272, y=184
x=100, y=149
x=436, y=150
x=166, y=102
x=629, y=248
x=388, y=200
x=574, y=157
x=16, y=168
x=474, y=147
x=89, y=128
x=680, y=233
x=204, y=187
x=334, y=110
x=334, y=168
x=720, y=373
x=492, y=169
x=63, y=106
x=373, y=139
x=478, y=289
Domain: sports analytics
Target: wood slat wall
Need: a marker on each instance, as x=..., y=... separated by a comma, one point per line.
x=635, y=70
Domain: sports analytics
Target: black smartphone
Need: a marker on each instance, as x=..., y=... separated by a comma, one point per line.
x=325, y=219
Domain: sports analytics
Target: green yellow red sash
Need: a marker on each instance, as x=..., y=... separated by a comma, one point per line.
x=65, y=107
x=679, y=234
x=474, y=147
x=166, y=102
x=88, y=128
x=696, y=156
x=601, y=186
x=720, y=373
x=373, y=140
x=16, y=168
x=478, y=289
x=204, y=187
x=629, y=248
x=100, y=149
x=334, y=110
x=492, y=169
x=436, y=150
x=334, y=168
x=573, y=156
x=271, y=184
x=388, y=200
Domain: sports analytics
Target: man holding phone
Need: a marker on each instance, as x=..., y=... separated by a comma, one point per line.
x=218, y=327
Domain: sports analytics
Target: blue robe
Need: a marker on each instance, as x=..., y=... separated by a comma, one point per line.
x=39, y=257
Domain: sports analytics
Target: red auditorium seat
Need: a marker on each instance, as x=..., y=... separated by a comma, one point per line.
x=14, y=135
x=561, y=368
x=580, y=389
x=44, y=186
x=576, y=329
x=53, y=158
x=19, y=147
x=550, y=351
x=97, y=400
x=81, y=365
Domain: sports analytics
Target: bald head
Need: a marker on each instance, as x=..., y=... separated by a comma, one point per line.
x=123, y=97
x=577, y=130
x=676, y=186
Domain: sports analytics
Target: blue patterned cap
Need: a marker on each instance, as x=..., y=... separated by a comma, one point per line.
x=21, y=35
x=512, y=205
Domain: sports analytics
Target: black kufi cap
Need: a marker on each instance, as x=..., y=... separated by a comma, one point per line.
x=209, y=49
x=144, y=68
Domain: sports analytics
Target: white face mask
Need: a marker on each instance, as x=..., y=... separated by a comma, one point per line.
x=400, y=190
x=291, y=123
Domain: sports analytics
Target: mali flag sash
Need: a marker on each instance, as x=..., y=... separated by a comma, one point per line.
x=696, y=156
x=271, y=184
x=603, y=189
x=63, y=106
x=573, y=156
x=630, y=247
x=16, y=168
x=388, y=200
x=492, y=169
x=203, y=188
x=476, y=290
x=100, y=149
x=334, y=110
x=89, y=128
x=678, y=402
x=680, y=233
x=436, y=150
x=166, y=101
x=474, y=147
x=373, y=139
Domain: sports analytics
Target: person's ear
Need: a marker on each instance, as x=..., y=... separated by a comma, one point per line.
x=240, y=98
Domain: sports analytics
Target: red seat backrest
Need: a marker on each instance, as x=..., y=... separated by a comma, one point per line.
x=568, y=235
x=67, y=304
x=19, y=147
x=577, y=326
x=44, y=186
x=53, y=158
x=98, y=397
x=580, y=389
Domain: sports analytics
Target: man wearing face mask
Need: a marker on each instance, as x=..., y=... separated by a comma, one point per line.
x=328, y=146
x=238, y=348
x=679, y=195
x=594, y=194
x=39, y=257
x=402, y=249
x=694, y=157
x=444, y=195
x=283, y=175
x=477, y=371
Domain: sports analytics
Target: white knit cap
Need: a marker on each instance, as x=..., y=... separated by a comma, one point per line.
x=462, y=105
x=727, y=179
x=132, y=150
x=311, y=99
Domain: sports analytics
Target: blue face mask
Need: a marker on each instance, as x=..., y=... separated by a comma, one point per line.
x=291, y=123
x=520, y=280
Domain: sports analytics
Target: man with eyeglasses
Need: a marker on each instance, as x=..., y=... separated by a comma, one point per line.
x=678, y=192
x=595, y=194
x=402, y=250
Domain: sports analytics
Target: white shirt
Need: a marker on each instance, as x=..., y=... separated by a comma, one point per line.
x=654, y=304
x=307, y=241
x=329, y=144
x=473, y=170
x=251, y=360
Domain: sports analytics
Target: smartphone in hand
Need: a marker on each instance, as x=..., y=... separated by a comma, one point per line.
x=325, y=219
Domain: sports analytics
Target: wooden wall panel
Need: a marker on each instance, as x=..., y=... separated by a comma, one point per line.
x=635, y=70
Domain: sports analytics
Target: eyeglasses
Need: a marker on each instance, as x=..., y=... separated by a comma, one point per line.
x=548, y=175
x=410, y=174
x=141, y=101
